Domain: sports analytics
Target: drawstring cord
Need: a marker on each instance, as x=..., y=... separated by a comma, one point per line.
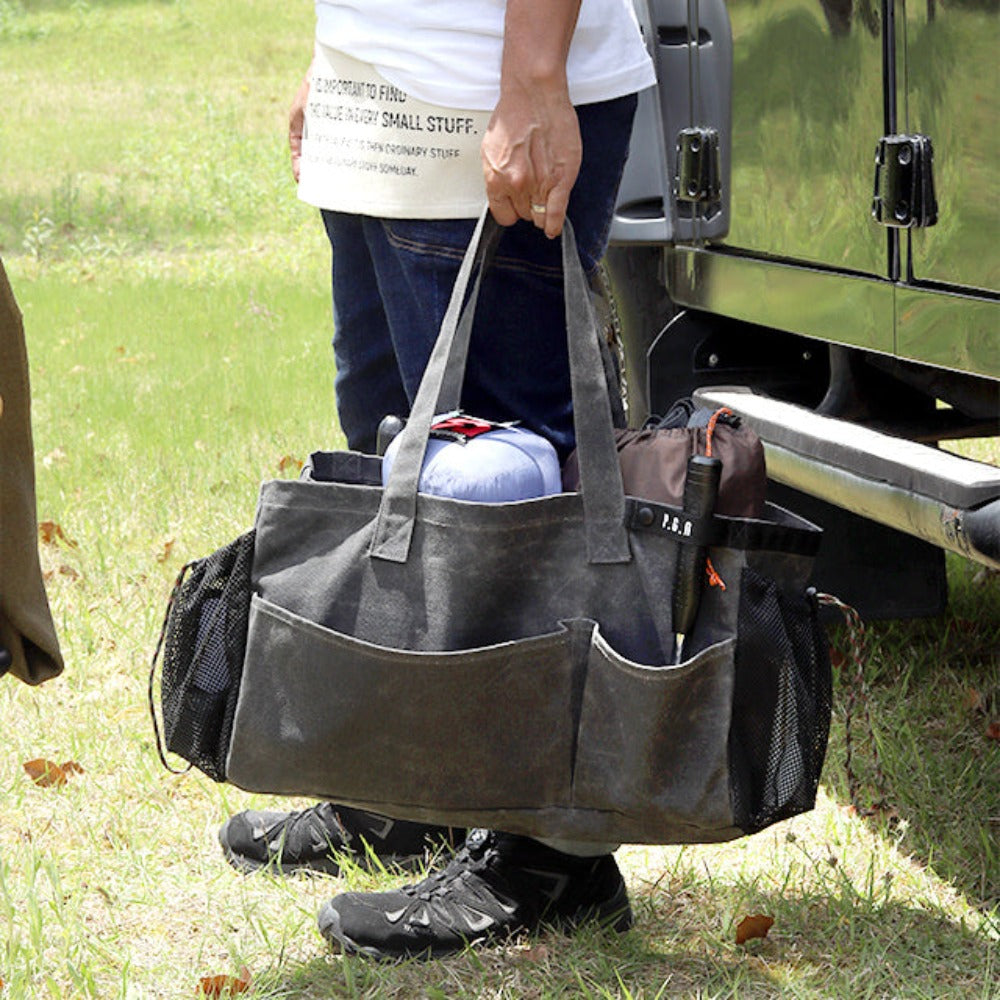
x=714, y=580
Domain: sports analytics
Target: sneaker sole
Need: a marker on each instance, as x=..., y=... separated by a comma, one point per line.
x=329, y=927
x=248, y=866
x=613, y=915
x=327, y=865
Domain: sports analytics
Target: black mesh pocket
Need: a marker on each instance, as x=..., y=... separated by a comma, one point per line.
x=781, y=705
x=202, y=646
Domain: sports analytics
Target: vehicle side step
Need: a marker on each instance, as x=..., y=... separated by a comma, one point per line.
x=950, y=501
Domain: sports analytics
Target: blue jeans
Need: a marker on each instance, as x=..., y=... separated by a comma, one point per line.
x=392, y=280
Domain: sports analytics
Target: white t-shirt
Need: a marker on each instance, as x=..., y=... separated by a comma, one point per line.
x=447, y=52
x=402, y=93
x=370, y=148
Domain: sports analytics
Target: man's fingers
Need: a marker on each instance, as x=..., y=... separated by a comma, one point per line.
x=296, y=124
x=504, y=211
x=530, y=179
x=512, y=180
x=555, y=211
x=295, y=130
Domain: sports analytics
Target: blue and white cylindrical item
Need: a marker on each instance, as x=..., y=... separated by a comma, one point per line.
x=498, y=465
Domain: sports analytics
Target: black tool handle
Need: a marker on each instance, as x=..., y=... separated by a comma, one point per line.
x=389, y=428
x=701, y=490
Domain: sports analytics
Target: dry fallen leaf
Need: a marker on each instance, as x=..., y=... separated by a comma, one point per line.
x=67, y=571
x=536, y=953
x=164, y=553
x=974, y=701
x=222, y=986
x=46, y=773
x=287, y=462
x=993, y=731
x=50, y=533
x=756, y=926
x=837, y=658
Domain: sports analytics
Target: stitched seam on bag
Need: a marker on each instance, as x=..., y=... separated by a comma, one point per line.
x=537, y=512
x=301, y=503
x=652, y=673
x=330, y=636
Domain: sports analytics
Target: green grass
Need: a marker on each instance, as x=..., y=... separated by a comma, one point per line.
x=177, y=309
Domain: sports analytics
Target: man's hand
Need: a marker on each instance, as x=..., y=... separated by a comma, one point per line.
x=296, y=123
x=531, y=157
x=532, y=149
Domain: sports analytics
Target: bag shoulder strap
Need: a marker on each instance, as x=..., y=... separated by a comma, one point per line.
x=603, y=494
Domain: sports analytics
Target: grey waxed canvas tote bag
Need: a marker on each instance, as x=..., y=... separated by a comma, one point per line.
x=508, y=665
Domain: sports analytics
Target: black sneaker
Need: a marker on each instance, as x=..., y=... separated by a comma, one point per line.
x=498, y=885
x=310, y=840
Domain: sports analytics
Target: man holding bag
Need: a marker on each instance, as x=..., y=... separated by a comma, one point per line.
x=405, y=110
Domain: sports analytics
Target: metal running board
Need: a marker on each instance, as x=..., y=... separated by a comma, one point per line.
x=950, y=501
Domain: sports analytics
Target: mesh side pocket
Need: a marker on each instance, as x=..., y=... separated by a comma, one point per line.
x=781, y=705
x=202, y=646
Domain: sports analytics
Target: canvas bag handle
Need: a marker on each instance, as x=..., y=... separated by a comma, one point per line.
x=600, y=473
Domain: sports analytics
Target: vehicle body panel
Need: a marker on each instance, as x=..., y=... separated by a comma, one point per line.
x=815, y=85
x=807, y=111
x=950, y=91
x=815, y=282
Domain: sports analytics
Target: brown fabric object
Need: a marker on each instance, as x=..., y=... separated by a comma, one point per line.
x=654, y=464
x=26, y=628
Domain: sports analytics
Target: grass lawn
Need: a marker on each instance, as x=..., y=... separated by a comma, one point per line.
x=176, y=303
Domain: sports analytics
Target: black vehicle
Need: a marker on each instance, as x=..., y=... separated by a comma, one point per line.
x=806, y=233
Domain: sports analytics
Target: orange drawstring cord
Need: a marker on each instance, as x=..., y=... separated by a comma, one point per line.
x=710, y=430
x=714, y=580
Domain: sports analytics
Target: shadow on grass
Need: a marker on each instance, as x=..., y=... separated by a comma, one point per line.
x=829, y=945
x=933, y=690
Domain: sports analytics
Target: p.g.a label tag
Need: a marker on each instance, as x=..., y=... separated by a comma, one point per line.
x=645, y=515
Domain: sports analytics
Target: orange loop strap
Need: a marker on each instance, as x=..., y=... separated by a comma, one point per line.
x=710, y=430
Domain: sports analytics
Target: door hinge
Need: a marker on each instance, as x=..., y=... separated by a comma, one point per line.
x=904, y=182
x=698, y=172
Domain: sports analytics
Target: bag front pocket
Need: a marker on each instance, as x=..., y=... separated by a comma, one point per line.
x=653, y=745
x=324, y=714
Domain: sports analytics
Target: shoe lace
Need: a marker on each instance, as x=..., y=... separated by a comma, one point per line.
x=473, y=858
x=307, y=822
